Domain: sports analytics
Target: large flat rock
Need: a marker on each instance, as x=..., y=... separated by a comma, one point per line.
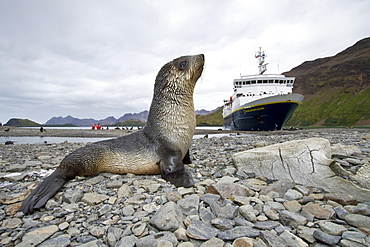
x=307, y=162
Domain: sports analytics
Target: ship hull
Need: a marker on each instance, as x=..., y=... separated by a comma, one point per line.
x=267, y=116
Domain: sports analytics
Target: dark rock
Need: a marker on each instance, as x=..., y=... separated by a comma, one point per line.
x=355, y=236
x=189, y=205
x=342, y=199
x=213, y=242
x=227, y=190
x=153, y=240
x=200, y=230
x=317, y=211
x=326, y=238
x=292, y=219
x=266, y=225
x=223, y=224
x=206, y=215
x=210, y=198
x=127, y=241
x=341, y=212
x=222, y=210
x=238, y=232
x=60, y=241
x=272, y=239
x=363, y=208
x=280, y=186
x=168, y=218
x=358, y=220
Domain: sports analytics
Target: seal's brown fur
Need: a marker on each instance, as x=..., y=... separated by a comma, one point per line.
x=159, y=147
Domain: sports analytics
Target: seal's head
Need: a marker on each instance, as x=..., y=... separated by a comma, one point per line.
x=178, y=77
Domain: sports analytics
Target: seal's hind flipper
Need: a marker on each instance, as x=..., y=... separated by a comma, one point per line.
x=46, y=190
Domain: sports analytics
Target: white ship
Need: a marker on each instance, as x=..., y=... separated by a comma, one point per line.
x=261, y=102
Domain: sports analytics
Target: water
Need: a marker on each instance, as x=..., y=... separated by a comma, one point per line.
x=47, y=139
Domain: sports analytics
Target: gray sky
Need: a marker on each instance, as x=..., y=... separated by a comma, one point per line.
x=94, y=59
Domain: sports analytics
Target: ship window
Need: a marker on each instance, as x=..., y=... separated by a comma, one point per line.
x=281, y=81
x=284, y=81
x=248, y=82
x=253, y=82
x=264, y=81
x=271, y=81
x=259, y=81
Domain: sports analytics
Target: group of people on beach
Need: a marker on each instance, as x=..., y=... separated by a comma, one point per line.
x=98, y=126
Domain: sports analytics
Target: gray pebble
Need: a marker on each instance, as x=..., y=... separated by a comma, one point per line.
x=326, y=238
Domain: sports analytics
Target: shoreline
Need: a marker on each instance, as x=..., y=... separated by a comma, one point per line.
x=6, y=131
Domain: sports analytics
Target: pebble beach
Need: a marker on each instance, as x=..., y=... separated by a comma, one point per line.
x=132, y=210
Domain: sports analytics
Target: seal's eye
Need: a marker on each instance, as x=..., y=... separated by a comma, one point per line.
x=182, y=64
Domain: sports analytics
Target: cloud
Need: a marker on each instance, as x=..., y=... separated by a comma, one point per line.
x=100, y=58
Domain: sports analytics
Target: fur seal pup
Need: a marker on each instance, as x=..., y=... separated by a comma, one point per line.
x=161, y=147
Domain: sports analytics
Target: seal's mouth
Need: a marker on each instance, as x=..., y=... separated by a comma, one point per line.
x=200, y=67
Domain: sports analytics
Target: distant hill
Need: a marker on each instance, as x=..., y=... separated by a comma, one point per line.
x=205, y=112
x=16, y=122
x=211, y=119
x=336, y=89
x=140, y=117
x=79, y=122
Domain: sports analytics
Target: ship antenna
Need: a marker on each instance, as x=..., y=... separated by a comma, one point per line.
x=261, y=61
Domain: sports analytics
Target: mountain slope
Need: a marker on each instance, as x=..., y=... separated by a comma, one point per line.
x=336, y=89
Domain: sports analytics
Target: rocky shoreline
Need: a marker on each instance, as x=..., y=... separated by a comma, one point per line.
x=112, y=132
x=227, y=207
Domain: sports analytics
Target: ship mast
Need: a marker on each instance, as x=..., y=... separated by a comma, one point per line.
x=261, y=61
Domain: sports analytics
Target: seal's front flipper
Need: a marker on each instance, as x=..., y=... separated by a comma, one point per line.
x=186, y=159
x=174, y=171
x=181, y=178
x=46, y=190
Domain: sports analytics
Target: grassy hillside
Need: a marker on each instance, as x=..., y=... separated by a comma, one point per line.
x=16, y=122
x=212, y=119
x=334, y=107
